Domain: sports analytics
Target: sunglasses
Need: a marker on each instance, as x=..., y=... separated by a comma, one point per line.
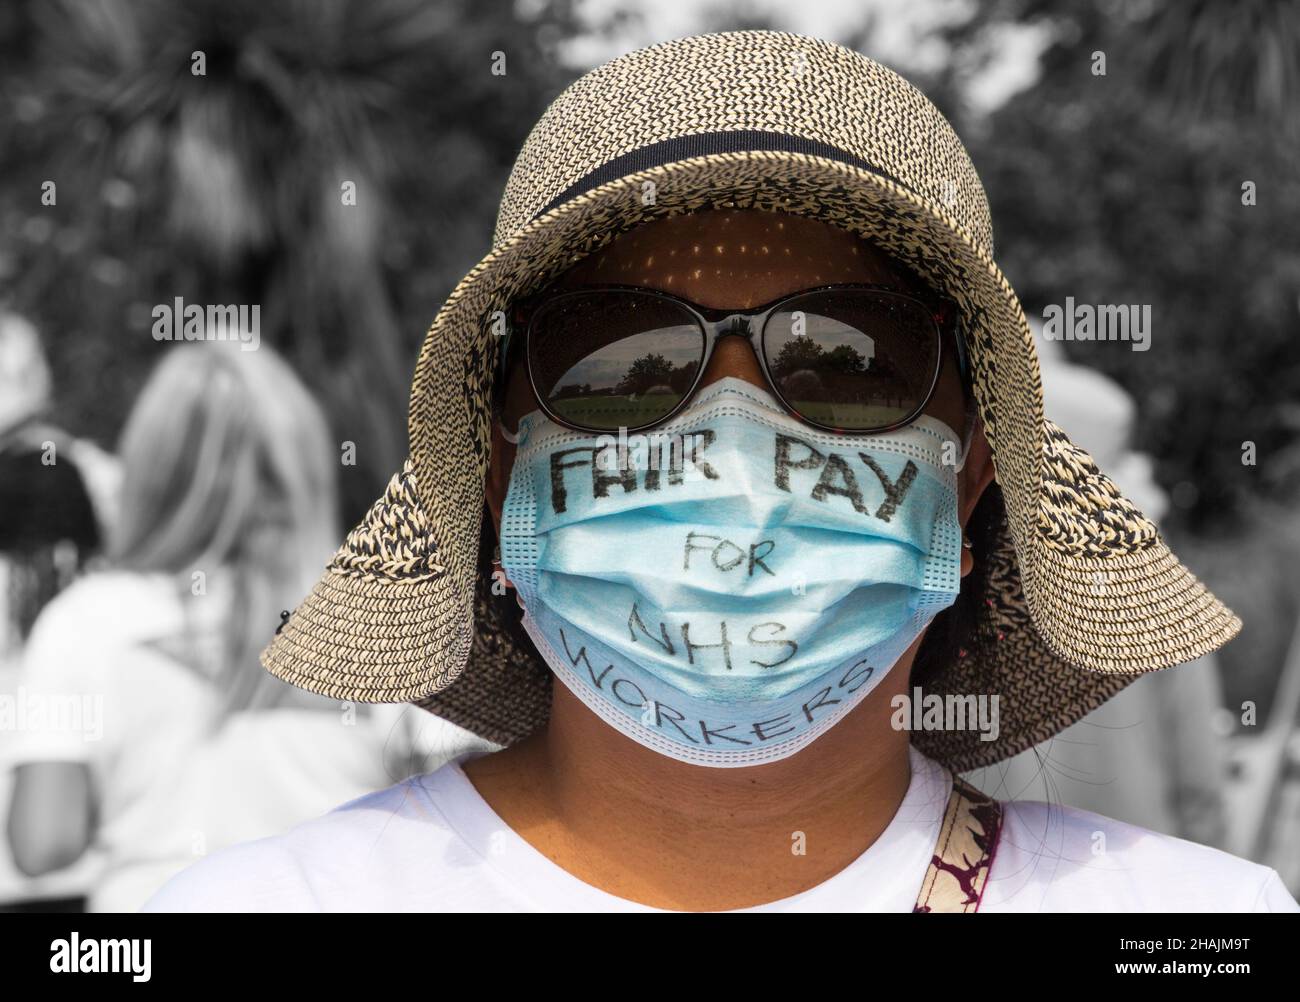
x=843, y=358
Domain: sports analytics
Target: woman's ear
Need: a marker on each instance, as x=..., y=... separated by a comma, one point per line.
x=972, y=481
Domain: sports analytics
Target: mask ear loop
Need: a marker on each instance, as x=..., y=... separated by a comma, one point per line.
x=508, y=349
x=968, y=435
x=963, y=367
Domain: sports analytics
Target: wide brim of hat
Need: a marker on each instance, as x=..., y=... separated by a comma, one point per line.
x=1102, y=594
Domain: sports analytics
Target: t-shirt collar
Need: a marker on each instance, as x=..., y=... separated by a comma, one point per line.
x=887, y=875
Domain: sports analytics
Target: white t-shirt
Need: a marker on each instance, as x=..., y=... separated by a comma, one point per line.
x=431, y=843
x=168, y=791
x=93, y=691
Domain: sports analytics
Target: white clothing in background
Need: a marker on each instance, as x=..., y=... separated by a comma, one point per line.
x=166, y=792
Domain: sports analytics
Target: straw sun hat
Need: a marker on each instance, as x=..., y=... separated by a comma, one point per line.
x=1082, y=593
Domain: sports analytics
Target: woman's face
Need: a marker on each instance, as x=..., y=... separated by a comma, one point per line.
x=737, y=259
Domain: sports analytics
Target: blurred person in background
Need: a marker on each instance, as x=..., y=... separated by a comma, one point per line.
x=56, y=492
x=164, y=751
x=1151, y=755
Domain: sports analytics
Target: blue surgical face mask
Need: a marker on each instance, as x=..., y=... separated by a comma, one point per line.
x=726, y=587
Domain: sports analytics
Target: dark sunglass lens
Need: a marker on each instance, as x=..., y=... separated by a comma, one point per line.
x=611, y=359
x=854, y=359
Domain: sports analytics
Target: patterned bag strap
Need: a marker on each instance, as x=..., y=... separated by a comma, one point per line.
x=963, y=855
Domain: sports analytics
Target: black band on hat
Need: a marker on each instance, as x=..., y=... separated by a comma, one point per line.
x=702, y=144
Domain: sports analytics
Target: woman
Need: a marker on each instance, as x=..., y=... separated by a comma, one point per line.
x=146, y=674
x=772, y=488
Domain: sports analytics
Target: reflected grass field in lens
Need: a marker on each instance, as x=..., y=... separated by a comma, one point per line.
x=850, y=415
x=612, y=412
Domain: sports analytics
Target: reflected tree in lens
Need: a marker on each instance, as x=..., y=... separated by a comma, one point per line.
x=845, y=360
x=646, y=373
x=797, y=353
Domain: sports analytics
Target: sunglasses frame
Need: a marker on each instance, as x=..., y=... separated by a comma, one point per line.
x=715, y=324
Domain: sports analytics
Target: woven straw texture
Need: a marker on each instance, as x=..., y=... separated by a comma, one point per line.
x=1084, y=595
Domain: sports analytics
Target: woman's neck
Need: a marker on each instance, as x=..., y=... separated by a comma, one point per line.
x=650, y=829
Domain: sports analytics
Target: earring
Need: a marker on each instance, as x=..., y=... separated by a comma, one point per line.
x=966, y=543
x=496, y=554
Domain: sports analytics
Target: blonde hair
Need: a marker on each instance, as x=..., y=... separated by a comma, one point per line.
x=228, y=472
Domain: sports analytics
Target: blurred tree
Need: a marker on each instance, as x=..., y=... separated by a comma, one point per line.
x=229, y=187
x=1127, y=188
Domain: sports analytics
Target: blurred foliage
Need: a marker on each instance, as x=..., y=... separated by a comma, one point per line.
x=1127, y=189
x=225, y=188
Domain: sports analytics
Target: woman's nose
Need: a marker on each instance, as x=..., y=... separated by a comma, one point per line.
x=734, y=356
